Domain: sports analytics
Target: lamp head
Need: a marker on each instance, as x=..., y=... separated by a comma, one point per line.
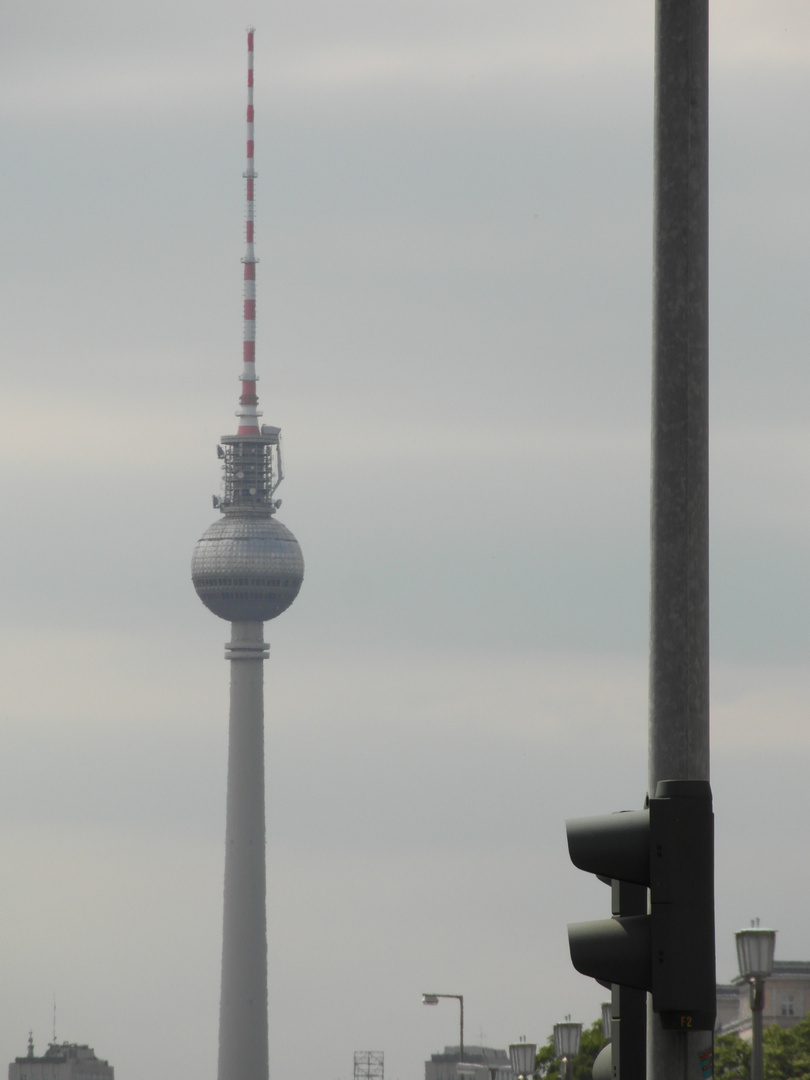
x=607, y=1019
x=755, y=949
x=522, y=1056
x=566, y=1038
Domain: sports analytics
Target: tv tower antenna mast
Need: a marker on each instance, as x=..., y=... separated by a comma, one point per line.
x=247, y=568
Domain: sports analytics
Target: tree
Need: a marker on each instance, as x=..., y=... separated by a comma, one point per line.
x=546, y=1064
x=785, y=1051
x=592, y=1042
x=732, y=1058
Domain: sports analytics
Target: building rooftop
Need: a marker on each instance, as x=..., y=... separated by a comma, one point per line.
x=782, y=969
x=59, y=1053
x=483, y=1054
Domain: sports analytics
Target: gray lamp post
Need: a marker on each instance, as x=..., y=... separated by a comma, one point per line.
x=433, y=999
x=607, y=1019
x=566, y=1044
x=755, y=946
x=523, y=1056
x=603, y=1066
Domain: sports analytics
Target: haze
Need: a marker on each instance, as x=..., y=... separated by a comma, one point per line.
x=454, y=224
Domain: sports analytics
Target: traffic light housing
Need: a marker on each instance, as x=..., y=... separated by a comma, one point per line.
x=624, y=1057
x=669, y=951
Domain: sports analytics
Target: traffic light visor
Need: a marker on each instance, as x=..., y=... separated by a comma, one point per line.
x=612, y=845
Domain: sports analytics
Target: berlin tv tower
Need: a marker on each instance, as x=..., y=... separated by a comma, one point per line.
x=247, y=568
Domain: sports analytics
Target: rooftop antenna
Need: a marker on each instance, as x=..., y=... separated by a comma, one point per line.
x=54, y=1016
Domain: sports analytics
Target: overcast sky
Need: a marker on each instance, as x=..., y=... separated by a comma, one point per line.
x=454, y=305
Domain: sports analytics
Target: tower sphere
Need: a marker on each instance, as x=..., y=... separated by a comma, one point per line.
x=247, y=567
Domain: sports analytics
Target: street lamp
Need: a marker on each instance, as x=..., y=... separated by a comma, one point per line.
x=603, y=1067
x=433, y=999
x=607, y=1019
x=523, y=1056
x=566, y=1044
x=755, y=946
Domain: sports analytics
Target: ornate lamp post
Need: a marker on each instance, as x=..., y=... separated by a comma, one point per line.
x=755, y=946
x=607, y=1019
x=566, y=1044
x=523, y=1055
x=603, y=1067
x=433, y=999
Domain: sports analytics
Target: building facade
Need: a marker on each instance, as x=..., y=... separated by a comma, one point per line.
x=786, y=999
x=478, y=1061
x=61, y=1061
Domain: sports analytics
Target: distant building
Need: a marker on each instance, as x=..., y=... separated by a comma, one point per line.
x=61, y=1061
x=477, y=1058
x=787, y=999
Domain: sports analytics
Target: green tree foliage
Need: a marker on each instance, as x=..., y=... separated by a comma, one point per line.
x=732, y=1058
x=778, y=1052
x=548, y=1066
x=786, y=1054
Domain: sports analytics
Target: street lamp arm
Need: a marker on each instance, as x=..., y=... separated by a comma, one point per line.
x=433, y=999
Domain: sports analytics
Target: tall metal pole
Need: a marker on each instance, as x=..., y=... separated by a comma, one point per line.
x=433, y=999
x=679, y=604
x=756, y=995
x=461, y=1027
x=755, y=949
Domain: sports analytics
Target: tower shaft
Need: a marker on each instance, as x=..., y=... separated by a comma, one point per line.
x=243, y=1038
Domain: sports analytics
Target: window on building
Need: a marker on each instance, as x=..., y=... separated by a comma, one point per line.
x=788, y=1006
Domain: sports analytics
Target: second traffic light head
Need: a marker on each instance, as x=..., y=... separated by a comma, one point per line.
x=669, y=848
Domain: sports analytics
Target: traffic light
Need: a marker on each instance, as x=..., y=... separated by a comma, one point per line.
x=625, y=1056
x=669, y=951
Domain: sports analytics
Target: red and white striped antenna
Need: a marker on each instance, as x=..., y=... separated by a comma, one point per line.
x=248, y=412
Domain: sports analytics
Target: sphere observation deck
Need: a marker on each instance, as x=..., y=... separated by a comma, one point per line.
x=247, y=567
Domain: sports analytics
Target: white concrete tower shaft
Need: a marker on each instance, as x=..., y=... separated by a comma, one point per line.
x=243, y=1036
